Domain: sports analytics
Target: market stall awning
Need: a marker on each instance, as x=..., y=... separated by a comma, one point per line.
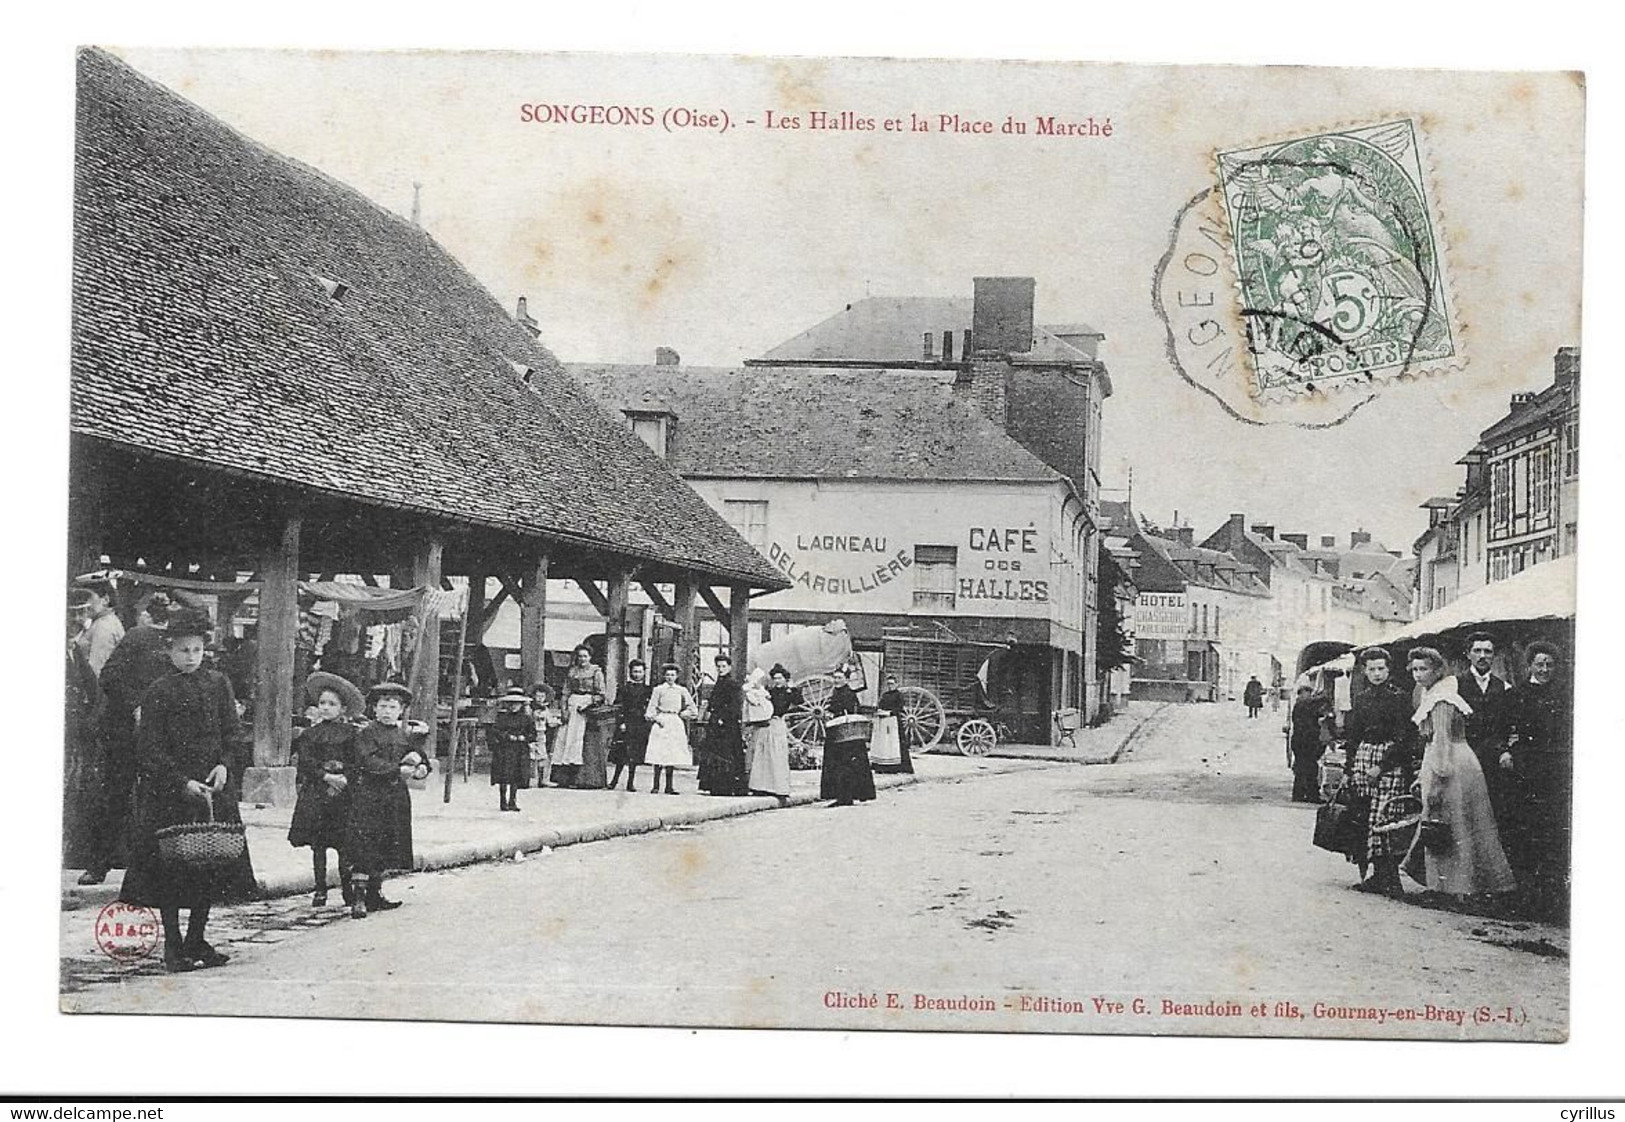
x=1544, y=591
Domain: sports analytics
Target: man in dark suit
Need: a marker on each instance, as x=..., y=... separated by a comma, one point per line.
x=1489, y=728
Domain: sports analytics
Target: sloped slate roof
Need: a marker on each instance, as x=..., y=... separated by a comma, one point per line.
x=796, y=422
x=202, y=330
x=890, y=330
x=1547, y=405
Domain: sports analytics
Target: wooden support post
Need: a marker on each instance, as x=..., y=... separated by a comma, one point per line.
x=273, y=683
x=686, y=618
x=615, y=657
x=739, y=629
x=504, y=591
x=599, y=600
x=652, y=591
x=533, y=623
x=711, y=601
x=476, y=607
x=426, y=684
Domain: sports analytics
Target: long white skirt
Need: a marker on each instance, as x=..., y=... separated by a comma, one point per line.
x=769, y=757
x=668, y=743
x=567, y=747
x=884, y=747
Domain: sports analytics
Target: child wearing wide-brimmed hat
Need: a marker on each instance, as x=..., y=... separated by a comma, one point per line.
x=379, y=837
x=325, y=751
x=510, y=737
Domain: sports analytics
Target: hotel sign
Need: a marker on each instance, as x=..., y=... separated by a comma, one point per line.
x=1161, y=615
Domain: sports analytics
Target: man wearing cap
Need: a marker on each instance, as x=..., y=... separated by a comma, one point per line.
x=722, y=766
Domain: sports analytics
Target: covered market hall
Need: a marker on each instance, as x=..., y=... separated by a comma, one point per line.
x=285, y=396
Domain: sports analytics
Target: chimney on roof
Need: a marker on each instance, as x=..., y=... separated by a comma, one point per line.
x=1001, y=326
x=948, y=346
x=522, y=318
x=1234, y=527
x=1185, y=536
x=928, y=341
x=1566, y=366
x=665, y=356
x=1328, y=541
x=1264, y=530
x=1359, y=538
x=1519, y=400
x=1002, y=320
x=1299, y=540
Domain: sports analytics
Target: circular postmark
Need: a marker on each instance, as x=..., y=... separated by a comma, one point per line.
x=127, y=932
x=1307, y=277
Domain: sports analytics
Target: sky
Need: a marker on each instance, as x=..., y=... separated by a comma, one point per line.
x=721, y=244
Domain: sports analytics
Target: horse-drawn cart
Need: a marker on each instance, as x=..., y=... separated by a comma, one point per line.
x=942, y=678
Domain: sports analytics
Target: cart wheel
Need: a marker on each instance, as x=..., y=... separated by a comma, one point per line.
x=976, y=738
x=805, y=722
x=924, y=719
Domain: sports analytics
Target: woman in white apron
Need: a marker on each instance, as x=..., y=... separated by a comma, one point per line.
x=887, y=752
x=584, y=688
x=669, y=706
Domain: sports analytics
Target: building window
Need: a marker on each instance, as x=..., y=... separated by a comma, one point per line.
x=1216, y=632
x=1500, y=499
x=749, y=517
x=1478, y=537
x=1204, y=620
x=1542, y=485
x=651, y=429
x=936, y=575
x=1571, y=449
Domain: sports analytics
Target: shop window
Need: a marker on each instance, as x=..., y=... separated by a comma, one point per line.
x=749, y=517
x=936, y=576
x=1542, y=485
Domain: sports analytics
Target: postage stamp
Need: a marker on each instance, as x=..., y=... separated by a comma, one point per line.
x=1338, y=255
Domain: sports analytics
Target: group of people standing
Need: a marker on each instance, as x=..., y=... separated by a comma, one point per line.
x=353, y=794
x=1463, y=783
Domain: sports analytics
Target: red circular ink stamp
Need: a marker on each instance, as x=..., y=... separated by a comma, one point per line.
x=127, y=932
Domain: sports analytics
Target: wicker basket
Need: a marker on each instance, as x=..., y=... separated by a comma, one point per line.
x=202, y=845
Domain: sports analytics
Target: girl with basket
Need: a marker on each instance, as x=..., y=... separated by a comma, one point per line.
x=326, y=758
x=380, y=830
x=189, y=851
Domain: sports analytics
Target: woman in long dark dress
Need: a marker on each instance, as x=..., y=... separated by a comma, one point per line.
x=1541, y=779
x=380, y=834
x=325, y=754
x=722, y=755
x=845, y=777
x=632, y=733
x=889, y=715
x=1381, y=769
x=187, y=746
x=512, y=733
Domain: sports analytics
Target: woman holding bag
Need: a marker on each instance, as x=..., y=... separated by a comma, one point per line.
x=584, y=688
x=1457, y=850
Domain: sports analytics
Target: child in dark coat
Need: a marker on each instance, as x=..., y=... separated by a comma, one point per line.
x=326, y=762
x=379, y=836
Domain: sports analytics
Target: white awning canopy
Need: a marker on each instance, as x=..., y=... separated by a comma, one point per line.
x=1544, y=591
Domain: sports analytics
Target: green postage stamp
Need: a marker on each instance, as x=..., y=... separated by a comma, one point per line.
x=1339, y=260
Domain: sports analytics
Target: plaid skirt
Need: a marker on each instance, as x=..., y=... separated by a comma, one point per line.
x=1388, y=798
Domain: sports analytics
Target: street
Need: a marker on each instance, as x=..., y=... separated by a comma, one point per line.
x=1173, y=892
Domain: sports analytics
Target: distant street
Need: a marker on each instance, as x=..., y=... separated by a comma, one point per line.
x=1181, y=875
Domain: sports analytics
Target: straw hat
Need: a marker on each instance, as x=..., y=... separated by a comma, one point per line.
x=349, y=694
